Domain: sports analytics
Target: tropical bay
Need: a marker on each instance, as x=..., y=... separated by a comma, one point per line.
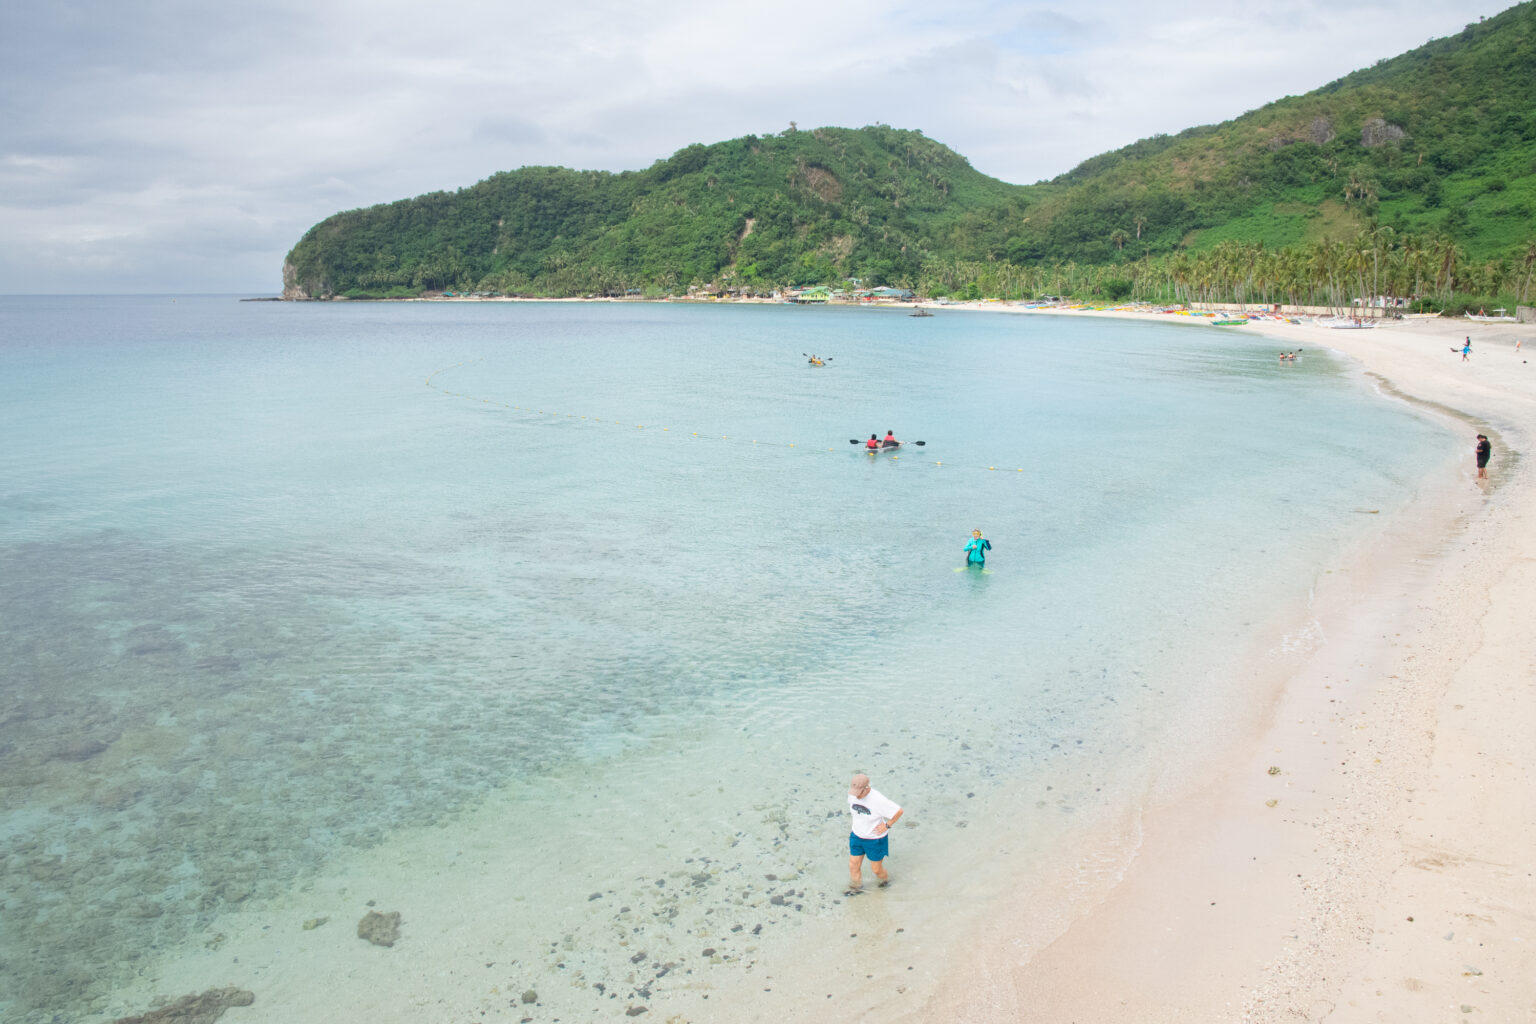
x=660, y=602
x=451, y=570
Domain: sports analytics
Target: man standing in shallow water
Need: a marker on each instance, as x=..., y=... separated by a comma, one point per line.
x=873, y=816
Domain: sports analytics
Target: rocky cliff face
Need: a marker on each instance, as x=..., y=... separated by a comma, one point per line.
x=1378, y=132
x=296, y=290
x=291, y=289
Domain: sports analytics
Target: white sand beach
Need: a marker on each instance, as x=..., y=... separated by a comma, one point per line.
x=1363, y=851
x=1370, y=853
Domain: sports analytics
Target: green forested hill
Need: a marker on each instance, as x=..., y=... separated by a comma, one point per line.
x=1428, y=160
x=795, y=208
x=1439, y=140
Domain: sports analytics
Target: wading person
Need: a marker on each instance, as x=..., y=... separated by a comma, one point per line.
x=976, y=550
x=1484, y=449
x=873, y=815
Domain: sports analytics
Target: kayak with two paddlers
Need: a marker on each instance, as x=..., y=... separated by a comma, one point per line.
x=877, y=445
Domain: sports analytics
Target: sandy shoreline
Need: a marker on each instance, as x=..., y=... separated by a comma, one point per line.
x=1385, y=871
x=1403, y=791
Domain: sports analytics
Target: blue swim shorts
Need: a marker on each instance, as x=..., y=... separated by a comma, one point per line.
x=874, y=849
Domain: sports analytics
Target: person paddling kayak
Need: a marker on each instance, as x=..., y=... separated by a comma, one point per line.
x=976, y=550
x=890, y=440
x=873, y=444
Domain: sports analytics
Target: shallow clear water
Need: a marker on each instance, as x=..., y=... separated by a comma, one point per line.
x=283, y=582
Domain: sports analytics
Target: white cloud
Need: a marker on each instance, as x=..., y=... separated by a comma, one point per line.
x=168, y=145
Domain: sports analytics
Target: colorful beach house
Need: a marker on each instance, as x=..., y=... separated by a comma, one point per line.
x=817, y=293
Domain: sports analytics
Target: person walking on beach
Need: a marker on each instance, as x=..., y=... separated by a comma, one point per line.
x=873, y=815
x=1484, y=449
x=976, y=550
x=1466, y=349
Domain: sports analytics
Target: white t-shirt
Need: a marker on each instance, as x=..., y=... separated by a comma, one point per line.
x=868, y=811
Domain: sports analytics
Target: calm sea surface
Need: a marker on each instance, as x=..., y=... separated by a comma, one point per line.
x=282, y=584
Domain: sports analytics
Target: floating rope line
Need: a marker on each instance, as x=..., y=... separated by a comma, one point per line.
x=724, y=437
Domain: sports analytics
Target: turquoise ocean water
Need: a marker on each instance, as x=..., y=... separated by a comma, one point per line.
x=283, y=583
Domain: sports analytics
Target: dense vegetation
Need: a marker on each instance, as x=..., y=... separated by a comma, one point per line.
x=795, y=208
x=1422, y=167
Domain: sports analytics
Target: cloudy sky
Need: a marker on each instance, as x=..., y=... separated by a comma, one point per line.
x=183, y=146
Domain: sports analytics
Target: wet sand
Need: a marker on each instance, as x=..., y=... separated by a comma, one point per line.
x=1381, y=872
x=1367, y=854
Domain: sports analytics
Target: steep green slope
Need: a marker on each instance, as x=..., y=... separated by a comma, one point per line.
x=1440, y=139
x=1438, y=144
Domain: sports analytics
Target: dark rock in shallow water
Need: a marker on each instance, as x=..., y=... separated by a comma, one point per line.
x=380, y=929
x=80, y=749
x=203, y=1009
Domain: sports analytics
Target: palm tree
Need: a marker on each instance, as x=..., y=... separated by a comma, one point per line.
x=1413, y=263
x=1527, y=264
x=1447, y=259
x=1380, y=238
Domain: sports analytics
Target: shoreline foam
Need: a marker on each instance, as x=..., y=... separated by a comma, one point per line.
x=1280, y=946
x=1391, y=880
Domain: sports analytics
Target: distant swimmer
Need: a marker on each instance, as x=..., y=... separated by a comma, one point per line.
x=976, y=550
x=890, y=440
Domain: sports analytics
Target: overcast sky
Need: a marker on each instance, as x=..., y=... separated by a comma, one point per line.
x=180, y=146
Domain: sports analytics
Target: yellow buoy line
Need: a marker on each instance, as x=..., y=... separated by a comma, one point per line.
x=667, y=430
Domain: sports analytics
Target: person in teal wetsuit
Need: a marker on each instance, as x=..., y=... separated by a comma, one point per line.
x=976, y=550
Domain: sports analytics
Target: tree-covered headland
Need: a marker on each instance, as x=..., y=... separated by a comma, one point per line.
x=1415, y=177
